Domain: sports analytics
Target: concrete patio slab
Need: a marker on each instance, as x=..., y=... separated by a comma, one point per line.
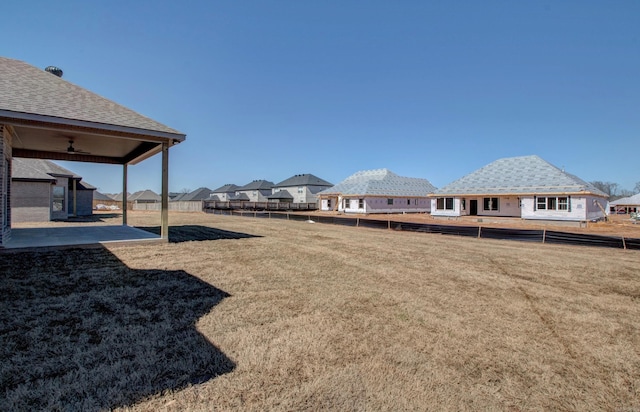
x=54, y=237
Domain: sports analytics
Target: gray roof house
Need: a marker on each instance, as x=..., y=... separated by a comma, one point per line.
x=527, y=187
x=43, y=191
x=629, y=204
x=224, y=193
x=302, y=188
x=378, y=191
x=202, y=193
x=256, y=191
x=43, y=116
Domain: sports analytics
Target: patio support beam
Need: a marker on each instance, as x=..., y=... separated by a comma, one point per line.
x=124, y=194
x=164, y=232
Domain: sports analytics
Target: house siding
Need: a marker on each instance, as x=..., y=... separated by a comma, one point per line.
x=84, y=202
x=379, y=204
x=31, y=201
x=308, y=192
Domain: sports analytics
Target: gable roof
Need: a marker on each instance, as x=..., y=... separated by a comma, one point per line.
x=257, y=185
x=519, y=175
x=198, y=194
x=38, y=169
x=100, y=196
x=25, y=89
x=148, y=195
x=306, y=179
x=228, y=188
x=281, y=194
x=631, y=201
x=241, y=196
x=381, y=182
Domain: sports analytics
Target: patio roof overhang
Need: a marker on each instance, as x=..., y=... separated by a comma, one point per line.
x=48, y=137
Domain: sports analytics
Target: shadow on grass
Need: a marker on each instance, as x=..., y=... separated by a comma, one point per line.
x=186, y=233
x=79, y=330
x=96, y=217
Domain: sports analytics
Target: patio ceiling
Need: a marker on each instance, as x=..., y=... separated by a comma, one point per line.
x=87, y=143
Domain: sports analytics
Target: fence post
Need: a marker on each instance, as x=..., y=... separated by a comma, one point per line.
x=357, y=222
x=624, y=244
x=544, y=235
x=479, y=231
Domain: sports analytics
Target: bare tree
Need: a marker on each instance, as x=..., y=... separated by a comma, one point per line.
x=637, y=188
x=609, y=188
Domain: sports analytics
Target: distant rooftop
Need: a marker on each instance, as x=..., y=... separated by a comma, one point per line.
x=519, y=175
x=381, y=182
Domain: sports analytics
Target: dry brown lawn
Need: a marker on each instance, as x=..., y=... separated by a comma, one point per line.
x=301, y=316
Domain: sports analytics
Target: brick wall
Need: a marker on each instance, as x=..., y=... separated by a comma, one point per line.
x=5, y=185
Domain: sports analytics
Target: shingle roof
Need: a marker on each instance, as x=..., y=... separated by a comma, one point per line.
x=381, y=182
x=198, y=194
x=257, y=185
x=38, y=169
x=241, y=196
x=306, y=179
x=631, y=201
x=100, y=196
x=28, y=89
x=519, y=175
x=145, y=195
x=281, y=194
x=229, y=187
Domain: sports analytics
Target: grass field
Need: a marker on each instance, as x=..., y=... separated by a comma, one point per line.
x=257, y=314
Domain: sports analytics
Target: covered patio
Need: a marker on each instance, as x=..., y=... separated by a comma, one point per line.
x=44, y=116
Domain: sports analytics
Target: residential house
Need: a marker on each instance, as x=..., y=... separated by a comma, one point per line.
x=43, y=191
x=202, y=193
x=378, y=191
x=256, y=191
x=303, y=188
x=626, y=205
x=527, y=187
x=224, y=193
x=43, y=116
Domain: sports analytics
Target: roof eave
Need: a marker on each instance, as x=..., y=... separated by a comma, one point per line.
x=19, y=118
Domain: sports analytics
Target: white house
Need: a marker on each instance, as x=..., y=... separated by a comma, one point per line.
x=224, y=193
x=256, y=191
x=303, y=188
x=378, y=191
x=527, y=187
x=627, y=205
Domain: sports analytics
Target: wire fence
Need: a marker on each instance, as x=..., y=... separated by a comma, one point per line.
x=523, y=235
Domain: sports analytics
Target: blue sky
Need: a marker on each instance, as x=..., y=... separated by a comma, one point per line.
x=432, y=89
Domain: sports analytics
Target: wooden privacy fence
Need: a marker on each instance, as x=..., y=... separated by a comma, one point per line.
x=211, y=205
x=526, y=235
x=177, y=206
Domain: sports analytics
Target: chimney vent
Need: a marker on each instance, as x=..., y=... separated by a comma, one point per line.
x=54, y=70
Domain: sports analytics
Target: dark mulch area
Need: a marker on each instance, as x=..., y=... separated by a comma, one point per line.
x=188, y=233
x=79, y=330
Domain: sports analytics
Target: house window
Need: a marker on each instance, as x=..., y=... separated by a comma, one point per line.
x=563, y=203
x=444, y=203
x=57, y=201
x=347, y=203
x=448, y=203
x=491, y=203
x=360, y=203
x=552, y=203
x=409, y=202
x=389, y=201
x=463, y=204
x=301, y=190
x=542, y=203
x=328, y=203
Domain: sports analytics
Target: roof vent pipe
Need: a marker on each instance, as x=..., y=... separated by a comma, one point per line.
x=54, y=70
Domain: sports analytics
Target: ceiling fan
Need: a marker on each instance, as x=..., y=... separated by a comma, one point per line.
x=73, y=150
